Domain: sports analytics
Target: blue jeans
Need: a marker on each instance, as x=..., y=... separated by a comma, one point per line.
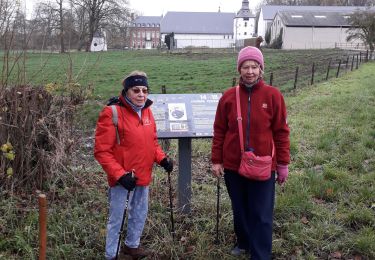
x=137, y=214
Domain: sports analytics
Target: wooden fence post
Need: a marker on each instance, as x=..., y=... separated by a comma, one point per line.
x=356, y=66
x=296, y=78
x=338, y=69
x=329, y=66
x=234, y=81
x=271, y=78
x=42, y=226
x=347, y=62
x=312, y=73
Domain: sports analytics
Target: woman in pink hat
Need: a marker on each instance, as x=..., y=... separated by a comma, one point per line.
x=265, y=133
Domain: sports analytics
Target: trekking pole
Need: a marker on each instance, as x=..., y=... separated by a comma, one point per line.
x=123, y=221
x=217, y=211
x=171, y=204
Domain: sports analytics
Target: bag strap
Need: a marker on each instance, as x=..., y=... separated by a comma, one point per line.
x=239, y=118
x=239, y=121
x=115, y=122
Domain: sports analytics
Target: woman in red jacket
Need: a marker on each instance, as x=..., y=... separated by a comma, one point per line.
x=127, y=155
x=264, y=124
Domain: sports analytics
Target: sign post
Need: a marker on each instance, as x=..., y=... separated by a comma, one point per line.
x=184, y=117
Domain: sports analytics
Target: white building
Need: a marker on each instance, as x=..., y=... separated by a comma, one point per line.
x=311, y=29
x=244, y=23
x=99, y=42
x=199, y=29
x=268, y=12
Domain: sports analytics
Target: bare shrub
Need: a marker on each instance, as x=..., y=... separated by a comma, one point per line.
x=36, y=137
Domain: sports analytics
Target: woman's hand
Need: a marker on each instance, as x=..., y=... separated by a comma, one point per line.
x=282, y=173
x=217, y=169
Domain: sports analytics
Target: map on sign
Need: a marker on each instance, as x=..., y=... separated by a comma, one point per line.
x=184, y=115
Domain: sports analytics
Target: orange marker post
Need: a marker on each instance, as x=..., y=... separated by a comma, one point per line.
x=42, y=226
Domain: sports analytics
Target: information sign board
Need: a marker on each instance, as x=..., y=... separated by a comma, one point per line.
x=184, y=115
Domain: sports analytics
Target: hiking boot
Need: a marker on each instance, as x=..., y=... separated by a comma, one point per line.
x=236, y=251
x=136, y=253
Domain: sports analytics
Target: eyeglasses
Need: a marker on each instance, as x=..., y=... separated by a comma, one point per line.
x=137, y=90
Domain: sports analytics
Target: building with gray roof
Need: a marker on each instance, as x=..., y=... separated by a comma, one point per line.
x=199, y=29
x=268, y=12
x=308, y=29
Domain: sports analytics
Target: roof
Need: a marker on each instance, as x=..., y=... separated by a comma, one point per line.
x=314, y=18
x=198, y=23
x=245, y=11
x=269, y=11
x=148, y=20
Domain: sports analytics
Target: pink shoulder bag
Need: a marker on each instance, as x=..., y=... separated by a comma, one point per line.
x=252, y=167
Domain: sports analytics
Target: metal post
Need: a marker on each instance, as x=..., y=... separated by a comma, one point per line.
x=351, y=68
x=271, y=78
x=184, y=178
x=312, y=73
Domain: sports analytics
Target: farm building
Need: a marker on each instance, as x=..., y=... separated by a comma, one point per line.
x=311, y=29
x=199, y=29
x=145, y=32
x=268, y=13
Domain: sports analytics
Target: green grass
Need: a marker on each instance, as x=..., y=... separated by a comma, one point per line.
x=327, y=205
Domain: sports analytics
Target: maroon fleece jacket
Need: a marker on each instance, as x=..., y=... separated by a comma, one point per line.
x=268, y=120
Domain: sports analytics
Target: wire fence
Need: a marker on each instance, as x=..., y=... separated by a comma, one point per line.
x=322, y=68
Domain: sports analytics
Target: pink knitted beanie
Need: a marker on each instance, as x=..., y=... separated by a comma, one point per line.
x=250, y=53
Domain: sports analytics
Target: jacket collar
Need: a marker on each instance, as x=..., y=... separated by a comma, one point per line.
x=125, y=104
x=256, y=86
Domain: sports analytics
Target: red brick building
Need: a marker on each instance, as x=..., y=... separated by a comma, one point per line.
x=145, y=32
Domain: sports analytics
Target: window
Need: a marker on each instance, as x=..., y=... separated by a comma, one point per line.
x=245, y=24
x=245, y=33
x=296, y=16
x=320, y=16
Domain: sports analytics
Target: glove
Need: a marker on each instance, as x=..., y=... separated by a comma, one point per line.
x=128, y=181
x=167, y=164
x=282, y=173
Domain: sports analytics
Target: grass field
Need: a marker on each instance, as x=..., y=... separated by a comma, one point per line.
x=325, y=211
x=179, y=72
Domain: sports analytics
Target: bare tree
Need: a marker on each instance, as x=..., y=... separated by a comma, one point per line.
x=363, y=28
x=61, y=24
x=100, y=13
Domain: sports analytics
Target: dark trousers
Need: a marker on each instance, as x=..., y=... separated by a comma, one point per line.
x=252, y=205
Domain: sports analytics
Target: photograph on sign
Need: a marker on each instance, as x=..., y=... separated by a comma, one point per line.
x=177, y=112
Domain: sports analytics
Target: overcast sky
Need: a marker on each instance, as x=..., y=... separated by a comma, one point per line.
x=159, y=7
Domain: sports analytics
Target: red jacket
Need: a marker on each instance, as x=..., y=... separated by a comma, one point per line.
x=268, y=120
x=138, y=148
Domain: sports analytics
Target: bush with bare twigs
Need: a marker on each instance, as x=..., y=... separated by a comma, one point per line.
x=36, y=136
